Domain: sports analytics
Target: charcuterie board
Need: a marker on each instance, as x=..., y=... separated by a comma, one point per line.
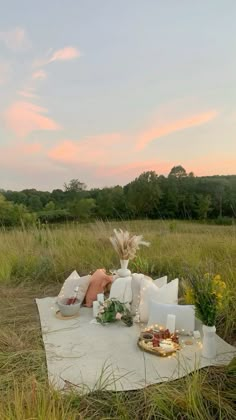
x=160, y=343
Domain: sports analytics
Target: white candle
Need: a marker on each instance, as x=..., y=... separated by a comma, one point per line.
x=96, y=307
x=100, y=297
x=170, y=323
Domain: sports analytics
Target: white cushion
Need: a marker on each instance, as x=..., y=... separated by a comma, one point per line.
x=73, y=281
x=136, y=288
x=121, y=289
x=149, y=291
x=185, y=315
x=162, y=281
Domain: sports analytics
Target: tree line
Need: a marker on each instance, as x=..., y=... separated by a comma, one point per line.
x=180, y=195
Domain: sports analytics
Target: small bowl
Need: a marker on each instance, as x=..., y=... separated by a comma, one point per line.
x=147, y=337
x=68, y=310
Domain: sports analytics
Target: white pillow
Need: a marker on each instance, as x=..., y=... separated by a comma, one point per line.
x=73, y=281
x=162, y=281
x=136, y=288
x=83, y=284
x=185, y=315
x=165, y=294
x=121, y=289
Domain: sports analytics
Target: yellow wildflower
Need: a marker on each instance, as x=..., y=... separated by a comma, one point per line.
x=189, y=296
x=219, y=305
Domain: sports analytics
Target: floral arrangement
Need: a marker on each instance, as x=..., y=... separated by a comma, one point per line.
x=207, y=294
x=113, y=310
x=125, y=244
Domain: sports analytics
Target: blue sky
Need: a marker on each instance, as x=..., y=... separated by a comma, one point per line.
x=104, y=90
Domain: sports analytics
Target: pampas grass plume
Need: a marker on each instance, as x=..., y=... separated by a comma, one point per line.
x=125, y=244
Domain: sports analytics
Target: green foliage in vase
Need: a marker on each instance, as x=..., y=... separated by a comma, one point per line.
x=206, y=293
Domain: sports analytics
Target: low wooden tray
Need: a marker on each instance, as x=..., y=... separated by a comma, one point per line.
x=158, y=351
x=60, y=316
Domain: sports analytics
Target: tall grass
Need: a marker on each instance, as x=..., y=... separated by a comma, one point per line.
x=47, y=254
x=35, y=262
x=179, y=249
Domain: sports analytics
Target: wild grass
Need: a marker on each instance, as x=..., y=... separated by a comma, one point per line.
x=35, y=262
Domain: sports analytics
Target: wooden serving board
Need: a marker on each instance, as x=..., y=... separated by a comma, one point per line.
x=158, y=351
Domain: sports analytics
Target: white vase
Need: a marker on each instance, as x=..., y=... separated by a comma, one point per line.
x=123, y=271
x=209, y=342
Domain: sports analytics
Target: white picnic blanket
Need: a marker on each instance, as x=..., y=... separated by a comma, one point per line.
x=106, y=357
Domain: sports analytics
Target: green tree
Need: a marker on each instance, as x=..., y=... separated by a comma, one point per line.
x=59, y=197
x=82, y=209
x=143, y=195
x=169, y=203
x=178, y=172
x=50, y=206
x=111, y=203
x=14, y=214
x=17, y=197
x=6, y=211
x=35, y=203
x=74, y=185
x=203, y=206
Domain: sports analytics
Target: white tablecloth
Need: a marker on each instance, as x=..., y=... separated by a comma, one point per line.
x=93, y=356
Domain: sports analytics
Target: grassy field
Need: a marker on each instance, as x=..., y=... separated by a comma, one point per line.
x=35, y=263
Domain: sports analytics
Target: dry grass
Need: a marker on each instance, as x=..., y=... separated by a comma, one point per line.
x=33, y=264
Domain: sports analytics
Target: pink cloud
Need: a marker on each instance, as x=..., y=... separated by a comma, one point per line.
x=64, y=54
x=99, y=155
x=67, y=151
x=25, y=117
x=23, y=165
x=119, y=153
x=92, y=149
x=213, y=164
x=124, y=173
x=16, y=152
x=135, y=168
x=67, y=53
x=162, y=130
x=119, y=147
x=39, y=75
x=31, y=149
x=15, y=39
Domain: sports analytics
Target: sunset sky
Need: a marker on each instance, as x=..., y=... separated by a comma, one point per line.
x=103, y=90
